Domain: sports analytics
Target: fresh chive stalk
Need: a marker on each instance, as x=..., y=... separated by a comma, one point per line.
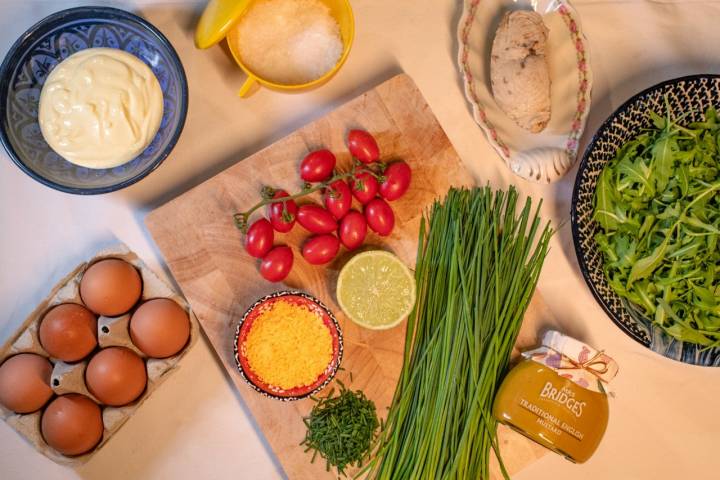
x=477, y=267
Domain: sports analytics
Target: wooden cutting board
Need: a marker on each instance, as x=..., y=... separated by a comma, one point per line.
x=195, y=233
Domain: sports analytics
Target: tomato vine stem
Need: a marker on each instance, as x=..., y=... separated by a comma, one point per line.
x=241, y=219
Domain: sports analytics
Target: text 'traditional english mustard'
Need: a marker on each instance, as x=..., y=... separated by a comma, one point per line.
x=555, y=396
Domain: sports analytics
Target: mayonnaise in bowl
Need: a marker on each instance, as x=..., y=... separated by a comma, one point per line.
x=100, y=108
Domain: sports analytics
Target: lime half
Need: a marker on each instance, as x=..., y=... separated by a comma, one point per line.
x=376, y=290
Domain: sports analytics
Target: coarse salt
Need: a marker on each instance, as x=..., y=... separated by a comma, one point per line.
x=289, y=41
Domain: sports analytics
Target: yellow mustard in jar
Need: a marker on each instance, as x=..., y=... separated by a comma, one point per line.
x=555, y=396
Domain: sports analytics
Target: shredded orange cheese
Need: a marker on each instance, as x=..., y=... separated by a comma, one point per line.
x=288, y=346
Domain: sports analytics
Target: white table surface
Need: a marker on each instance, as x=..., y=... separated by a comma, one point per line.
x=664, y=424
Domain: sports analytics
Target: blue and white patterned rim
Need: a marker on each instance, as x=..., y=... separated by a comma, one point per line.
x=15, y=53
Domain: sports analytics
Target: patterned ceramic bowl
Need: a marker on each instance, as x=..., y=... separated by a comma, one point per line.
x=44, y=45
x=688, y=97
x=245, y=324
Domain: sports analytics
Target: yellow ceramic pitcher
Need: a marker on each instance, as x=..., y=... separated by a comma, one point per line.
x=220, y=16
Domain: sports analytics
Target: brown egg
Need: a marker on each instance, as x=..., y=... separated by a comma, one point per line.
x=72, y=424
x=69, y=332
x=25, y=382
x=160, y=328
x=116, y=376
x=110, y=287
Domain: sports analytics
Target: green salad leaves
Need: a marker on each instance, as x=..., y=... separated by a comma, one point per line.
x=658, y=209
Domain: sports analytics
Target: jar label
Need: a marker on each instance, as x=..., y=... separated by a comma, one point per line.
x=551, y=418
x=565, y=397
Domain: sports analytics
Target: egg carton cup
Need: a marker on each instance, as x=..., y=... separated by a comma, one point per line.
x=112, y=332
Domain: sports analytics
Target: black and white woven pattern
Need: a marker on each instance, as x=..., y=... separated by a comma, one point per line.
x=688, y=98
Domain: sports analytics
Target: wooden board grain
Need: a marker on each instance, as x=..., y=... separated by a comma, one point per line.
x=196, y=235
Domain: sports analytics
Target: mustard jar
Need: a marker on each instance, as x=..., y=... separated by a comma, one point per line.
x=555, y=396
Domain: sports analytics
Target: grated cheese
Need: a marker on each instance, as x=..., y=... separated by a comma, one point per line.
x=288, y=346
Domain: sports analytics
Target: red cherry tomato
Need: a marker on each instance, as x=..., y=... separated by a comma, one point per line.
x=276, y=264
x=353, y=229
x=317, y=166
x=364, y=186
x=321, y=249
x=397, y=181
x=380, y=216
x=363, y=146
x=316, y=219
x=259, y=238
x=277, y=218
x=338, y=199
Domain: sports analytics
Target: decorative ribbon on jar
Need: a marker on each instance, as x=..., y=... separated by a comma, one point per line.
x=574, y=360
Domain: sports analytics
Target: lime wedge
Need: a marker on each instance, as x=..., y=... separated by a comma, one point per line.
x=376, y=290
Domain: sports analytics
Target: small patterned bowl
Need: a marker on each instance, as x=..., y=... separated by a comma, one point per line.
x=44, y=45
x=689, y=96
x=245, y=324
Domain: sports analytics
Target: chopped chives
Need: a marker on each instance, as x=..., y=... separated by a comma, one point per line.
x=342, y=428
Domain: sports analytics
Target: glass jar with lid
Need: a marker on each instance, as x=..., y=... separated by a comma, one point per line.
x=555, y=396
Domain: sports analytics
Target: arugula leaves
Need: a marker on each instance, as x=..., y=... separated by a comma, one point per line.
x=605, y=197
x=658, y=208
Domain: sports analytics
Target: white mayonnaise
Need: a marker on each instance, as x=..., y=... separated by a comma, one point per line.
x=100, y=107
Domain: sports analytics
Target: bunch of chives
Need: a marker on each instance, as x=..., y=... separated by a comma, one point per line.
x=477, y=267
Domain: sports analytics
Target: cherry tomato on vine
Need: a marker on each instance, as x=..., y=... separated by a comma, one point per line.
x=282, y=217
x=338, y=199
x=259, y=238
x=364, y=186
x=363, y=146
x=380, y=217
x=353, y=229
x=277, y=263
x=316, y=219
x=397, y=181
x=317, y=166
x=321, y=249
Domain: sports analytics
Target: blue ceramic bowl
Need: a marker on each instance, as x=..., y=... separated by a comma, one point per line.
x=44, y=45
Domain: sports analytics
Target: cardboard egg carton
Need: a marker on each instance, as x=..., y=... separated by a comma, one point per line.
x=112, y=331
